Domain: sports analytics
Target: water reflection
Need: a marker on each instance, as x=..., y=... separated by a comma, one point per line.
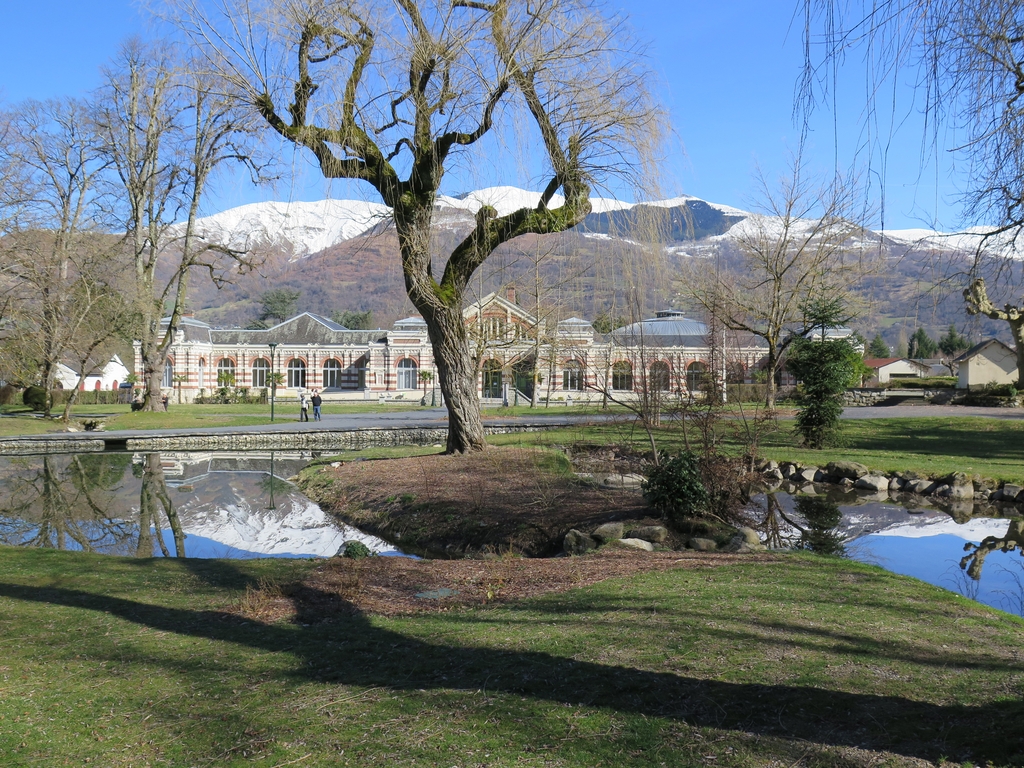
x=813, y=525
x=924, y=537
x=60, y=502
x=168, y=504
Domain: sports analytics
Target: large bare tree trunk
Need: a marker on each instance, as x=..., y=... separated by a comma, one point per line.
x=458, y=378
x=978, y=303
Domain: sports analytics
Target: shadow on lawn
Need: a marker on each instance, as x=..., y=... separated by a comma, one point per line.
x=351, y=650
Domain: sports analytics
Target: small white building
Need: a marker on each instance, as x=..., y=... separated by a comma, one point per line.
x=107, y=376
x=888, y=368
x=990, y=362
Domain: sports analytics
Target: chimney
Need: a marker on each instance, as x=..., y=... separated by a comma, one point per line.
x=510, y=293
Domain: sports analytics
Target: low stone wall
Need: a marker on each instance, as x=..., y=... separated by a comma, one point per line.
x=49, y=445
x=872, y=396
x=250, y=441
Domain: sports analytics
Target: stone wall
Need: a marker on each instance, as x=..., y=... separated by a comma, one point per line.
x=249, y=441
x=872, y=396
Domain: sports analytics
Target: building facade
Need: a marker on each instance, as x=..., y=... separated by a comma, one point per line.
x=572, y=361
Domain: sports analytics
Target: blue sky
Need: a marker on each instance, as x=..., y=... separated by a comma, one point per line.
x=727, y=74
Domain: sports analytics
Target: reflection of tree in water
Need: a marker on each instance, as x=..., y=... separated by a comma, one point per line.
x=274, y=488
x=62, y=504
x=68, y=502
x=814, y=527
x=974, y=560
x=152, y=500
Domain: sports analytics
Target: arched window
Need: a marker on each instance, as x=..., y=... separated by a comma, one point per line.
x=168, y=374
x=99, y=385
x=261, y=373
x=332, y=374
x=202, y=373
x=660, y=378
x=696, y=376
x=226, y=372
x=407, y=373
x=622, y=376
x=296, y=373
x=492, y=379
x=572, y=376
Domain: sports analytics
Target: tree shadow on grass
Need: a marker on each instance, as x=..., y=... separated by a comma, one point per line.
x=350, y=649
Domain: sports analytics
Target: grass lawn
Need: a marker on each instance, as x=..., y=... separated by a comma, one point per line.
x=798, y=662
x=934, y=446
x=19, y=420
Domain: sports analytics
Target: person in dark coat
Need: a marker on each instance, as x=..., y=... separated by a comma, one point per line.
x=317, y=402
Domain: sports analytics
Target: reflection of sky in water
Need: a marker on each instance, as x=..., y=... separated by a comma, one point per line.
x=936, y=560
x=227, y=504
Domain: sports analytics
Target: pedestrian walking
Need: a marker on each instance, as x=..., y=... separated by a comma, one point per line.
x=303, y=407
x=317, y=402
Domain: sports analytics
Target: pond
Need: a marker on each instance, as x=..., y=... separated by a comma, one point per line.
x=232, y=505
x=953, y=544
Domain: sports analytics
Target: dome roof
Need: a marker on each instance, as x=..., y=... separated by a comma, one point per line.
x=666, y=328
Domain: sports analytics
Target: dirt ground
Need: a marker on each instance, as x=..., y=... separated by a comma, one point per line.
x=399, y=585
x=499, y=501
x=497, y=518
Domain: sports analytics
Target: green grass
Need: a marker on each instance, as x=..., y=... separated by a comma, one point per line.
x=19, y=420
x=992, y=448
x=804, y=661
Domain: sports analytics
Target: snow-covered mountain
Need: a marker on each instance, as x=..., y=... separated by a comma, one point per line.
x=301, y=229
x=298, y=228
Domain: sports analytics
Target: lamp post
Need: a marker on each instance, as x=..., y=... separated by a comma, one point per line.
x=273, y=379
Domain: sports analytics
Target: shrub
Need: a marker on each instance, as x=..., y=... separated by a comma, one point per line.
x=676, y=489
x=356, y=550
x=7, y=394
x=35, y=398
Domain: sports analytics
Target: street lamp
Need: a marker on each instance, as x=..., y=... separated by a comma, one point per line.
x=273, y=378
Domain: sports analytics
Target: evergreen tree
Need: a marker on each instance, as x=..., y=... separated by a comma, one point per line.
x=354, y=321
x=279, y=304
x=922, y=345
x=953, y=343
x=825, y=368
x=878, y=348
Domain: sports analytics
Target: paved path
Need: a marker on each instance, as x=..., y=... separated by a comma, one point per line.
x=924, y=411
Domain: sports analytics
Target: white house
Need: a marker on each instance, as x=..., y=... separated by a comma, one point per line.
x=106, y=377
x=886, y=368
x=990, y=362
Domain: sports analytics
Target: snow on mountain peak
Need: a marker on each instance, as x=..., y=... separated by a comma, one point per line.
x=304, y=227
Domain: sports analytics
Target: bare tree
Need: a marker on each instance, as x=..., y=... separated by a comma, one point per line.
x=166, y=132
x=966, y=57
x=53, y=243
x=797, y=246
x=393, y=92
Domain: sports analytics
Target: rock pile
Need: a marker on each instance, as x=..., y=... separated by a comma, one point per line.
x=651, y=538
x=850, y=474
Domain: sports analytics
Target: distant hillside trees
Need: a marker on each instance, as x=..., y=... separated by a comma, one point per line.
x=396, y=94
